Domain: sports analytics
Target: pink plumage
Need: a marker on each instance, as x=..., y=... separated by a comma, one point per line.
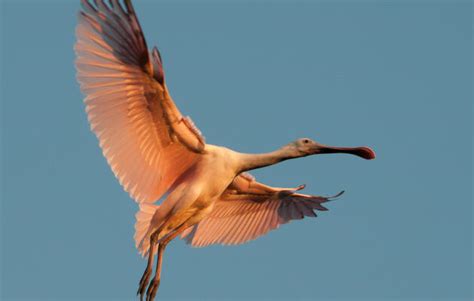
x=206, y=194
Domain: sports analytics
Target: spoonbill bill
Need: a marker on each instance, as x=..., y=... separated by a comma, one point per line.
x=156, y=153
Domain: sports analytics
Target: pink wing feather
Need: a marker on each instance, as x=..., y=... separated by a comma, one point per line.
x=249, y=209
x=140, y=130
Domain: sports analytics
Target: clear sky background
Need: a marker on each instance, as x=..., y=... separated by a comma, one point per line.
x=254, y=75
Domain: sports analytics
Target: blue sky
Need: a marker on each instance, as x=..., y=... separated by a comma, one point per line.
x=254, y=75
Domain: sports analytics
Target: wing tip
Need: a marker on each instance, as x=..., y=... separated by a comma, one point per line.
x=336, y=196
x=157, y=65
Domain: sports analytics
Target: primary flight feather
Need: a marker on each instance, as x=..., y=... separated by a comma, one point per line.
x=157, y=153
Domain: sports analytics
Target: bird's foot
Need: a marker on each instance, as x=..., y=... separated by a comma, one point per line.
x=143, y=283
x=152, y=289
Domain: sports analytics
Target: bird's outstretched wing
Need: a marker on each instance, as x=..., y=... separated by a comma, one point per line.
x=249, y=209
x=147, y=142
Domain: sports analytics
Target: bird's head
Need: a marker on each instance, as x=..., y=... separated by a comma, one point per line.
x=307, y=147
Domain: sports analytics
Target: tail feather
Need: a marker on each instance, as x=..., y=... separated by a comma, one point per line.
x=144, y=217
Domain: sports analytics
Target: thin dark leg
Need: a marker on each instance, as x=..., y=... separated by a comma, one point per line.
x=148, y=270
x=149, y=267
x=155, y=283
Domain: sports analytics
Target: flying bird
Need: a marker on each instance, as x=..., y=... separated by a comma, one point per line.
x=157, y=154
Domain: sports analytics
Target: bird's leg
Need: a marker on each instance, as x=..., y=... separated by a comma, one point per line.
x=148, y=270
x=155, y=283
x=149, y=267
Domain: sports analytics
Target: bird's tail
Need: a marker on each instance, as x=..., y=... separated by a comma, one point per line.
x=144, y=217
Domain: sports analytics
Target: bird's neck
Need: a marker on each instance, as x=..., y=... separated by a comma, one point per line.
x=254, y=161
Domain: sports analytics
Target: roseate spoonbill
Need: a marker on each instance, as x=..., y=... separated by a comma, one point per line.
x=157, y=153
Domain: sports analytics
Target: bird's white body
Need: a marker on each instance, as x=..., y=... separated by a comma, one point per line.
x=199, y=188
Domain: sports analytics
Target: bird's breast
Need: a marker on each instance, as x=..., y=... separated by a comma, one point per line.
x=215, y=176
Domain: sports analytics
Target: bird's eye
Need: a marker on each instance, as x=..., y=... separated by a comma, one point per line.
x=305, y=141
